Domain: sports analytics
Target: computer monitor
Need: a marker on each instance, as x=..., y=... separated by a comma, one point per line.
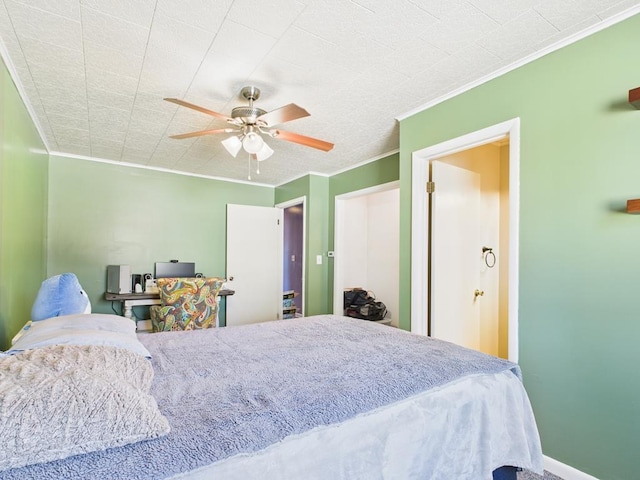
x=175, y=269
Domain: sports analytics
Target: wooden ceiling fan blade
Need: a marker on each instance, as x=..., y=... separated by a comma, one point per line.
x=283, y=114
x=198, y=108
x=202, y=132
x=303, y=140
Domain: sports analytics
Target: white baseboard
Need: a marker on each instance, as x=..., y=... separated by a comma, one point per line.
x=564, y=471
x=145, y=326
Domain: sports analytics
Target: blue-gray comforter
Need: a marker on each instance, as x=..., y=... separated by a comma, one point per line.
x=237, y=390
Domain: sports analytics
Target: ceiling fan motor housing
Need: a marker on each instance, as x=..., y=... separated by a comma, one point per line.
x=248, y=115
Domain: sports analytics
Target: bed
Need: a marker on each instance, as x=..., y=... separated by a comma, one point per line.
x=323, y=397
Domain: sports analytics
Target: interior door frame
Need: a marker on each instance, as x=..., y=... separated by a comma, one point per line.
x=338, y=238
x=290, y=203
x=420, y=161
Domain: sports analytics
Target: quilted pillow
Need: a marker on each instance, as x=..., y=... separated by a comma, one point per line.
x=187, y=303
x=112, y=363
x=52, y=407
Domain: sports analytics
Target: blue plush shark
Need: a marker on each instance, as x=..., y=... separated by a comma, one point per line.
x=60, y=295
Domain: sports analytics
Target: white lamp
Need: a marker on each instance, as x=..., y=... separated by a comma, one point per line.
x=232, y=144
x=264, y=153
x=252, y=142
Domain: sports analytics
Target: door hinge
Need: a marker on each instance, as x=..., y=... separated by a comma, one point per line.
x=278, y=221
x=431, y=187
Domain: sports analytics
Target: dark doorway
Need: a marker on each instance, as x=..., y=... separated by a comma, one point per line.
x=293, y=253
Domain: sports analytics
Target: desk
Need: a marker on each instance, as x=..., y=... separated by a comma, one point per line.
x=130, y=300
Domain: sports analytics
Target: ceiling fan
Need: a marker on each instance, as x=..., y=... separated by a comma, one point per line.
x=251, y=123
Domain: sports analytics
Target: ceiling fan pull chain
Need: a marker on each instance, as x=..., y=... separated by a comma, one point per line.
x=249, y=165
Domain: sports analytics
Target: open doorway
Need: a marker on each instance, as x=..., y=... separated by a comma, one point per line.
x=469, y=224
x=465, y=240
x=366, y=242
x=293, y=258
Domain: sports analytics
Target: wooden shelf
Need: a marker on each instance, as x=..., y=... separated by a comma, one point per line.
x=634, y=97
x=633, y=206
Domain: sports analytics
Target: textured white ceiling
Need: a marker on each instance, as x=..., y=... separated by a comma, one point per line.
x=95, y=72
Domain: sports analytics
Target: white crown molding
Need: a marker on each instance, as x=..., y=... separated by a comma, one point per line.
x=365, y=162
x=564, y=471
x=211, y=177
x=157, y=169
x=13, y=73
x=528, y=59
x=317, y=174
x=342, y=170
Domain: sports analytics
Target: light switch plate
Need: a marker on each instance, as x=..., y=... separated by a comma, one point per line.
x=318, y=259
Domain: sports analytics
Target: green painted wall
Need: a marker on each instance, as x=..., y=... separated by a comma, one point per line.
x=579, y=313
x=104, y=214
x=23, y=210
x=371, y=174
x=318, y=244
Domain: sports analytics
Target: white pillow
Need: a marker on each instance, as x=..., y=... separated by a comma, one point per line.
x=26, y=327
x=92, y=321
x=52, y=406
x=81, y=329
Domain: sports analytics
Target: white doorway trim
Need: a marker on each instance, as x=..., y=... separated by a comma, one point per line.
x=339, y=240
x=419, y=215
x=290, y=203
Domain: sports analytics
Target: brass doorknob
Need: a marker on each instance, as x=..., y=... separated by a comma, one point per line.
x=478, y=293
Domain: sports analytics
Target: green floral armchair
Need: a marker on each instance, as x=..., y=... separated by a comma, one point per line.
x=186, y=304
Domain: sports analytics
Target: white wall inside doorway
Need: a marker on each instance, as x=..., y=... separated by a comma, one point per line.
x=367, y=236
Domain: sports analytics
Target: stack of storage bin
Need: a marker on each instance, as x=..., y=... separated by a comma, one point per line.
x=289, y=308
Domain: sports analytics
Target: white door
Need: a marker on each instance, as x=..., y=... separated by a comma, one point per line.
x=254, y=264
x=455, y=254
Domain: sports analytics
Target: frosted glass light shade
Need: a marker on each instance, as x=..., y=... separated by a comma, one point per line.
x=232, y=144
x=252, y=142
x=264, y=153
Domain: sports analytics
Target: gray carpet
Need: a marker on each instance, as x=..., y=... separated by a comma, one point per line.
x=526, y=475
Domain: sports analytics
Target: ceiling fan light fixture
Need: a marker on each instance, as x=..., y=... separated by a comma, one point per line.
x=252, y=143
x=232, y=144
x=264, y=153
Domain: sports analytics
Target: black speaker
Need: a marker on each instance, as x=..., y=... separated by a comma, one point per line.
x=136, y=278
x=199, y=275
x=147, y=276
